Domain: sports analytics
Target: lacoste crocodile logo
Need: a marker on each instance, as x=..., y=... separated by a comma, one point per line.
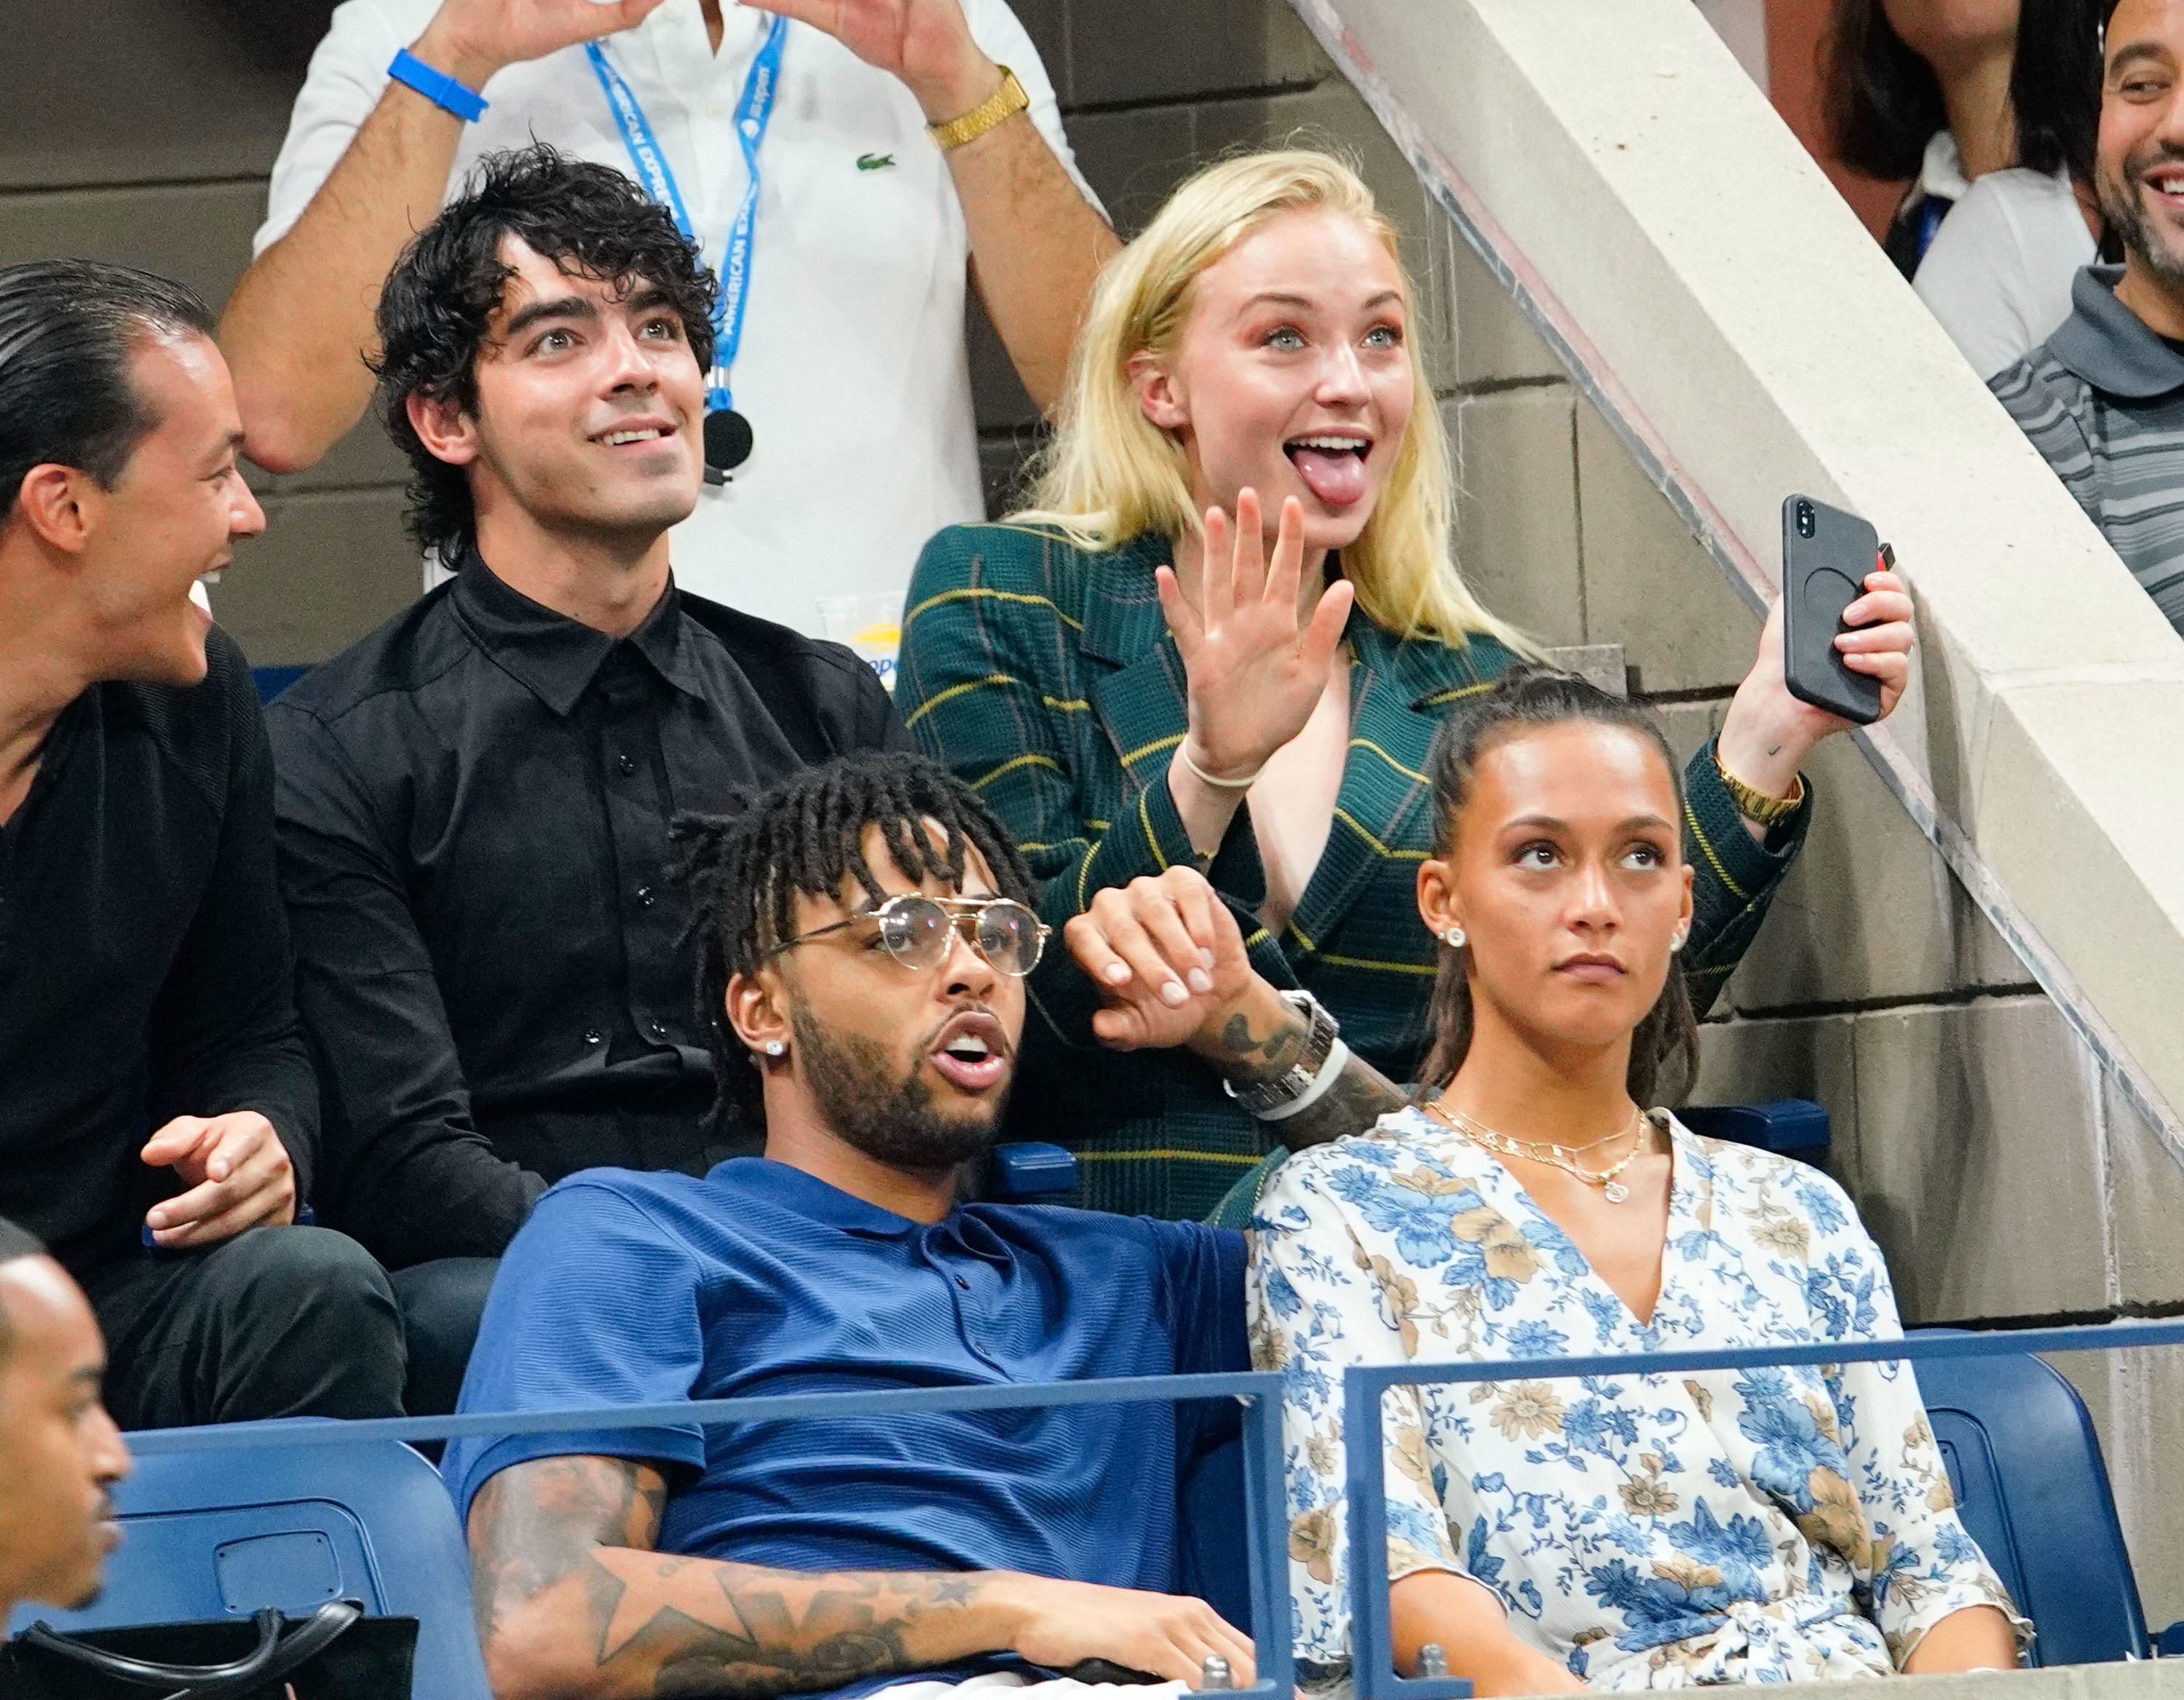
x=875, y=162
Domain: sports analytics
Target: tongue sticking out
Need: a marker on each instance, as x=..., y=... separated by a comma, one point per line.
x=1337, y=479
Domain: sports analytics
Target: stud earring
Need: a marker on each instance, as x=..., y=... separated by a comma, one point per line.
x=774, y=1047
x=1677, y=942
x=1453, y=938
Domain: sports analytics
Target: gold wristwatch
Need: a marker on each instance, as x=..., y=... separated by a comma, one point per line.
x=1757, y=806
x=1008, y=100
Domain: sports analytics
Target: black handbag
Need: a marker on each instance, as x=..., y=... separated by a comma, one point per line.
x=336, y=1653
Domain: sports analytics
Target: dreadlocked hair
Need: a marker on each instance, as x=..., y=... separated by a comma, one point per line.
x=805, y=834
x=1664, y=1044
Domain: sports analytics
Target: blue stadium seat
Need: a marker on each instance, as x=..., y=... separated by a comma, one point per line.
x=1789, y=1127
x=1216, y=1556
x=220, y=1534
x=272, y=681
x=1027, y=1171
x=2032, y=1490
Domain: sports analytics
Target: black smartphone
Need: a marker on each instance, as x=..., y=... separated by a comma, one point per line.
x=1826, y=555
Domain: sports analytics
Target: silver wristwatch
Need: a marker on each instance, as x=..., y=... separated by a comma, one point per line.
x=1271, y=1095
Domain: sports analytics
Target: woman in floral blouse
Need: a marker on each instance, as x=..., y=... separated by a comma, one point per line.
x=1628, y=1532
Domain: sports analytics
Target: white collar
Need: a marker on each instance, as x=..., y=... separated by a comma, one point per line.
x=1941, y=172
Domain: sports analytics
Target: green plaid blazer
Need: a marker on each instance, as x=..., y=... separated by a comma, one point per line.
x=1044, y=677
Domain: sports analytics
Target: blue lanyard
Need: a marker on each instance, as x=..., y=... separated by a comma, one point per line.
x=754, y=112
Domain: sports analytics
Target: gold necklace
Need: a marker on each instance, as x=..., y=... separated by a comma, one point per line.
x=1554, y=1155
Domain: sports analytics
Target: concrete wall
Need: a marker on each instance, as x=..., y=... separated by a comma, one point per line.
x=2004, y=1174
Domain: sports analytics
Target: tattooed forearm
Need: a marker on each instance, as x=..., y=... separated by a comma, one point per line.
x=1359, y=1096
x=569, y=1601
x=544, y=1519
x=1252, y=1062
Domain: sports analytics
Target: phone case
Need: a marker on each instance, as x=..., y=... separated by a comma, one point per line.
x=1822, y=575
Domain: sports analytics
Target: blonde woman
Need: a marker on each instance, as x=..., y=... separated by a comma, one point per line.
x=1225, y=633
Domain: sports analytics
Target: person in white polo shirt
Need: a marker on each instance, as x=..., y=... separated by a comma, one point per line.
x=847, y=167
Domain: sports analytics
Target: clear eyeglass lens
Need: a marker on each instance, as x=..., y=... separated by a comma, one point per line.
x=1008, y=937
x=916, y=931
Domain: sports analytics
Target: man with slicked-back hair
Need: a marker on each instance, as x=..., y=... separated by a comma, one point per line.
x=160, y=1118
x=60, y=1453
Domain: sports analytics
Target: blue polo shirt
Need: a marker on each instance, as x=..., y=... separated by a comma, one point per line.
x=630, y=1289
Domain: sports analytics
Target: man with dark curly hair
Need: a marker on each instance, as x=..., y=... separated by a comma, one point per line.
x=854, y=171
x=473, y=801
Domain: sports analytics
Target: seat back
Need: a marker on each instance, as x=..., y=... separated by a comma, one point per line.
x=1215, y=1553
x=1789, y=1127
x=220, y=1534
x=2032, y=1490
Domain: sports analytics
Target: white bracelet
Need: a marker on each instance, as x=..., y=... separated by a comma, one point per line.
x=1337, y=1060
x=1183, y=754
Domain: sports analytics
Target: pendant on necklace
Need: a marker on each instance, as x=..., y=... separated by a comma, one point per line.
x=1617, y=1191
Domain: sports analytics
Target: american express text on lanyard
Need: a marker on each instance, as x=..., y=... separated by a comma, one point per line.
x=728, y=432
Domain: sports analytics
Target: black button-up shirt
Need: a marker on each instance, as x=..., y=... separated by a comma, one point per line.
x=473, y=807
x=143, y=956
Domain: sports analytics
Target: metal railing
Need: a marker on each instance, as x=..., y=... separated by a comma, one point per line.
x=1260, y=1396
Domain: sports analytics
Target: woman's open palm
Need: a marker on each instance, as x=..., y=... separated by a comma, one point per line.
x=1256, y=671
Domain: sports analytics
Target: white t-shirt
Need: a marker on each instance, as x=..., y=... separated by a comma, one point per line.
x=1998, y=273
x=853, y=369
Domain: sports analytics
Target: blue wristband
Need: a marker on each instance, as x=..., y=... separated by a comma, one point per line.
x=437, y=87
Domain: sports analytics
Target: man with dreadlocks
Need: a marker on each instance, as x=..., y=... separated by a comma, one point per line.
x=863, y=931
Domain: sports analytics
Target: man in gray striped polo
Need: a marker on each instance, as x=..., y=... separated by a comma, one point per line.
x=2103, y=399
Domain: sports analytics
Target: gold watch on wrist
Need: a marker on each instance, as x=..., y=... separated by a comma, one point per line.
x=1756, y=805
x=1006, y=101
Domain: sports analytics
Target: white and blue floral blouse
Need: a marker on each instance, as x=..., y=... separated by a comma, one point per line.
x=1650, y=1531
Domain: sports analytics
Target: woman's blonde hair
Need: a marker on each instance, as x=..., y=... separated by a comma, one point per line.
x=1111, y=474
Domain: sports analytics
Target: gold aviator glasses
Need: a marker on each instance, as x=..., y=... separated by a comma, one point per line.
x=916, y=930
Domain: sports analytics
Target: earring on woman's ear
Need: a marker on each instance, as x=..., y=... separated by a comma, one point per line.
x=1453, y=938
x=774, y=1047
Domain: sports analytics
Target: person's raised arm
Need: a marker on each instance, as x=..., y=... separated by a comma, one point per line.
x=1768, y=733
x=572, y=1601
x=1256, y=670
x=1167, y=956
x=1036, y=243
x=299, y=325
x=980, y=693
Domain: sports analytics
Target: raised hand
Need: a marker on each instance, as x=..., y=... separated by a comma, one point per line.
x=925, y=43
x=471, y=40
x=1167, y=954
x=1768, y=733
x=1256, y=671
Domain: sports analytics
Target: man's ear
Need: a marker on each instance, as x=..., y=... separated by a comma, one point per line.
x=756, y=1012
x=448, y=433
x=59, y=505
x=1437, y=906
x=1159, y=397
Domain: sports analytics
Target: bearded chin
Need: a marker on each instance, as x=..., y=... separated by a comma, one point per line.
x=2142, y=235
x=888, y=1117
